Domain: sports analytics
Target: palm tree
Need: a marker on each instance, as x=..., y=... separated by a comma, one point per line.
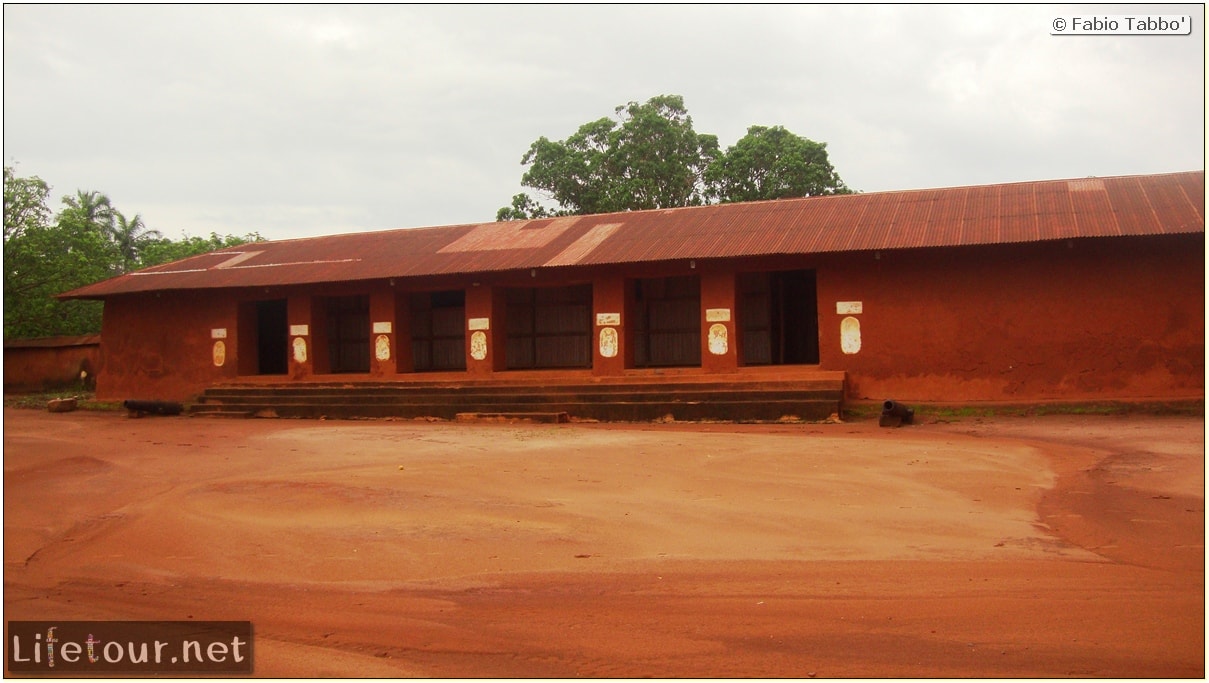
x=92, y=208
x=129, y=236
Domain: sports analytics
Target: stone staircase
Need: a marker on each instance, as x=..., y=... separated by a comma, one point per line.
x=759, y=400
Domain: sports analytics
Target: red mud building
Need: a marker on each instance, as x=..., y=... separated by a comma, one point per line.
x=1070, y=289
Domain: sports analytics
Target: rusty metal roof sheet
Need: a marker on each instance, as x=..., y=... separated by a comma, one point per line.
x=990, y=214
x=60, y=342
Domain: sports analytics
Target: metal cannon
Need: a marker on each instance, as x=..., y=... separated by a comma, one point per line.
x=141, y=408
x=895, y=414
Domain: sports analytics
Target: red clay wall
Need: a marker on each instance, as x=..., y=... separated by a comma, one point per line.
x=1086, y=319
x=162, y=347
x=51, y=363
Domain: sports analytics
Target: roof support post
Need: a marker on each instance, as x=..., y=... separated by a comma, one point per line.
x=719, y=342
x=300, y=315
x=383, y=332
x=485, y=326
x=611, y=354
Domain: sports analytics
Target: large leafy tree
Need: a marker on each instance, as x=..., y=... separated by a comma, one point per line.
x=648, y=157
x=773, y=163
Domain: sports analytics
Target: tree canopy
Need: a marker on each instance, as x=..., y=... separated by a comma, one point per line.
x=24, y=203
x=89, y=240
x=650, y=157
x=773, y=163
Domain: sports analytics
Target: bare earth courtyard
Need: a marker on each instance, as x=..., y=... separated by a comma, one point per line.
x=1017, y=547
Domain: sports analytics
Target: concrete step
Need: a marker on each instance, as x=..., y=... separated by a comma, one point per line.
x=736, y=411
x=528, y=396
x=758, y=401
x=217, y=410
x=554, y=418
x=481, y=390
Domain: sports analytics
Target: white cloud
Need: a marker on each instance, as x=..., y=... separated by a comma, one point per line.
x=302, y=120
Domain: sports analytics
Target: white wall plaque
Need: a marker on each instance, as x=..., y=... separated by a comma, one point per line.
x=479, y=323
x=299, y=330
x=848, y=307
x=218, y=333
x=382, y=328
x=608, y=319
x=717, y=315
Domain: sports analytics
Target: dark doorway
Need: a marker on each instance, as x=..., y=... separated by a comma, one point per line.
x=348, y=334
x=438, y=330
x=272, y=337
x=549, y=327
x=778, y=318
x=667, y=322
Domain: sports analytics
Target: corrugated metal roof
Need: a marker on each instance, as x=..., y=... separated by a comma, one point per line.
x=53, y=342
x=989, y=214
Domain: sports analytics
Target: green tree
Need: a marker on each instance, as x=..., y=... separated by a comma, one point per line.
x=523, y=207
x=24, y=203
x=773, y=163
x=162, y=250
x=648, y=158
x=87, y=242
x=42, y=259
x=91, y=209
x=130, y=236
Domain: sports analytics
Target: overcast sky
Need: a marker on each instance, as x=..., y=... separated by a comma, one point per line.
x=295, y=121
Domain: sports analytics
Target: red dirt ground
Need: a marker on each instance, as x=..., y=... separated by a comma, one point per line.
x=1006, y=547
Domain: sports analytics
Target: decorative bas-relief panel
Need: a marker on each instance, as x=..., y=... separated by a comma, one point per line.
x=608, y=342
x=299, y=346
x=718, y=342
x=850, y=335
x=478, y=345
